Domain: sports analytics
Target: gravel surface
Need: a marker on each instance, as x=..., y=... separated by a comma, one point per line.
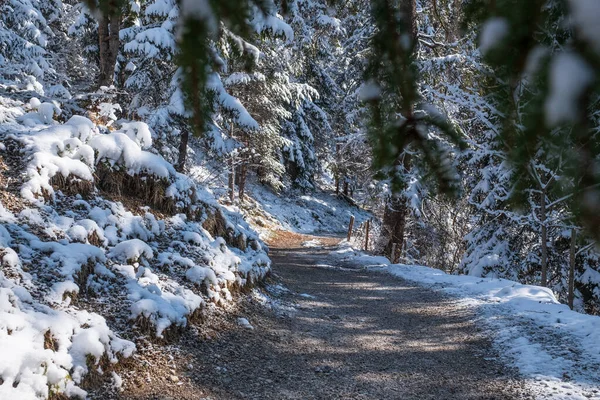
x=327, y=332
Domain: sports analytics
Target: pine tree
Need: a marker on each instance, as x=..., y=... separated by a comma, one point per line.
x=24, y=35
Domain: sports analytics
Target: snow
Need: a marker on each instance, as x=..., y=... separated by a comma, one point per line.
x=321, y=211
x=164, y=271
x=244, y=323
x=312, y=243
x=525, y=320
x=492, y=33
x=369, y=91
x=131, y=250
x=202, y=10
x=533, y=331
x=31, y=366
x=570, y=76
x=585, y=15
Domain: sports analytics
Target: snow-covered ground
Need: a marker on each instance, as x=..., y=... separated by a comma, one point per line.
x=321, y=211
x=556, y=350
x=85, y=270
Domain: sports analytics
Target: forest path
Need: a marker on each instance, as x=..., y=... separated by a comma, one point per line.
x=341, y=332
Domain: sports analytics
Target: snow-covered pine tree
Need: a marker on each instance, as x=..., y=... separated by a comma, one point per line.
x=545, y=55
x=24, y=35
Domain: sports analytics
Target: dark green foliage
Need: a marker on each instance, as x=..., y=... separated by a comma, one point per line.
x=399, y=120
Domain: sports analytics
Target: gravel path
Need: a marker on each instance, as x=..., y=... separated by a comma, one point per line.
x=339, y=333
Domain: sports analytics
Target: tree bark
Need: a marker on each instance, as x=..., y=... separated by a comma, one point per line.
x=182, y=157
x=242, y=180
x=544, y=260
x=232, y=179
x=394, y=222
x=103, y=48
x=571, y=295
x=109, y=25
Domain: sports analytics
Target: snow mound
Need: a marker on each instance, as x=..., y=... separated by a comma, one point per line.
x=67, y=156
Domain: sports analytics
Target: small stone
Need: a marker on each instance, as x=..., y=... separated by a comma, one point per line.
x=174, y=378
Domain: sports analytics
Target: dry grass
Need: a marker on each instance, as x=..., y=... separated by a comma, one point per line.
x=216, y=225
x=72, y=185
x=50, y=342
x=82, y=276
x=150, y=190
x=11, y=179
x=94, y=378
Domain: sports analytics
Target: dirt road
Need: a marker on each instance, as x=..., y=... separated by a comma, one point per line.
x=326, y=332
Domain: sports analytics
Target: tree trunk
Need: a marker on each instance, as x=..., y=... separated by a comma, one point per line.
x=109, y=43
x=394, y=223
x=232, y=179
x=242, y=180
x=182, y=157
x=103, y=48
x=571, y=295
x=409, y=8
x=345, y=188
x=544, y=260
x=396, y=209
x=337, y=168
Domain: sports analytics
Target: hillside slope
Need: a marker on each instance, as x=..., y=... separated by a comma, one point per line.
x=102, y=243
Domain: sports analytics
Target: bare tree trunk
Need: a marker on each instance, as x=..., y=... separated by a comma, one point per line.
x=182, y=157
x=232, y=168
x=109, y=43
x=232, y=179
x=337, y=168
x=544, y=260
x=571, y=295
x=103, y=48
x=242, y=180
x=345, y=188
x=394, y=223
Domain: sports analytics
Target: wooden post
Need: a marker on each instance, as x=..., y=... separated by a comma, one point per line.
x=393, y=255
x=367, y=235
x=350, y=227
x=571, y=295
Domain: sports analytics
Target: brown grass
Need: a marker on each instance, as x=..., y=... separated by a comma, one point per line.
x=94, y=378
x=150, y=190
x=10, y=177
x=72, y=185
x=82, y=276
x=216, y=225
x=50, y=342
